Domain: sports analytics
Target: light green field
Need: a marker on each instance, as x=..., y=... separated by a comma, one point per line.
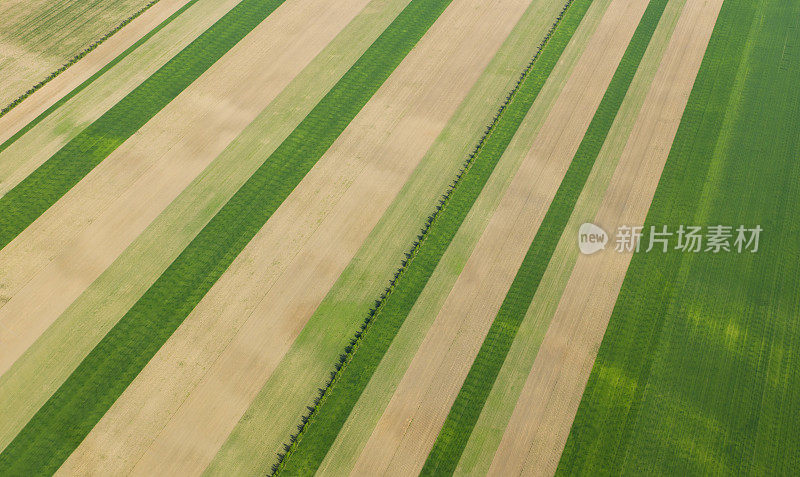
x=491, y=424
x=45, y=366
x=293, y=385
x=32, y=149
x=38, y=36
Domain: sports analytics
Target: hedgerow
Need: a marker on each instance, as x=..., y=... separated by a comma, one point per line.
x=466, y=408
x=68, y=416
x=320, y=426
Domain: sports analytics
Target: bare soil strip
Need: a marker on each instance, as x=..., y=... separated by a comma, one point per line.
x=53, y=261
x=27, y=152
x=229, y=345
x=33, y=106
x=541, y=421
x=45, y=365
x=408, y=427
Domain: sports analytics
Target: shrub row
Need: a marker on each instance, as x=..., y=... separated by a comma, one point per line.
x=305, y=449
x=75, y=59
x=69, y=415
x=467, y=407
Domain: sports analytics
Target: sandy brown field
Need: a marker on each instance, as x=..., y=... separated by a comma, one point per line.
x=355, y=433
x=53, y=261
x=274, y=412
x=539, y=426
x=90, y=64
x=403, y=437
x=327, y=217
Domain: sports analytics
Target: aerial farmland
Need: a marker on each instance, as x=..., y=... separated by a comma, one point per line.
x=399, y=237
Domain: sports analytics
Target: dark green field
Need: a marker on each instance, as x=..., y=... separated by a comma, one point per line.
x=698, y=370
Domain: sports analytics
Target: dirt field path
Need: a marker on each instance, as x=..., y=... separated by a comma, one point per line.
x=299, y=254
x=53, y=261
x=539, y=426
x=402, y=438
x=93, y=62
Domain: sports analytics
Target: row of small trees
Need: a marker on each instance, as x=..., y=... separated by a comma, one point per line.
x=350, y=349
x=74, y=59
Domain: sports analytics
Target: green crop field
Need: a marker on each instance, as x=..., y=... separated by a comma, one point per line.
x=343, y=237
x=36, y=193
x=696, y=373
x=141, y=41
x=40, y=39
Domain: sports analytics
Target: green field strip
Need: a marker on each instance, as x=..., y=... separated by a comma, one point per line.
x=307, y=452
x=92, y=78
x=466, y=409
x=495, y=415
x=38, y=373
x=697, y=371
x=272, y=416
x=14, y=103
x=59, y=426
x=23, y=204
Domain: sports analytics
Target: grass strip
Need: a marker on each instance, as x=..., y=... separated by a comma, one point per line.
x=65, y=419
x=319, y=429
x=697, y=371
x=91, y=79
x=466, y=409
x=49, y=182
